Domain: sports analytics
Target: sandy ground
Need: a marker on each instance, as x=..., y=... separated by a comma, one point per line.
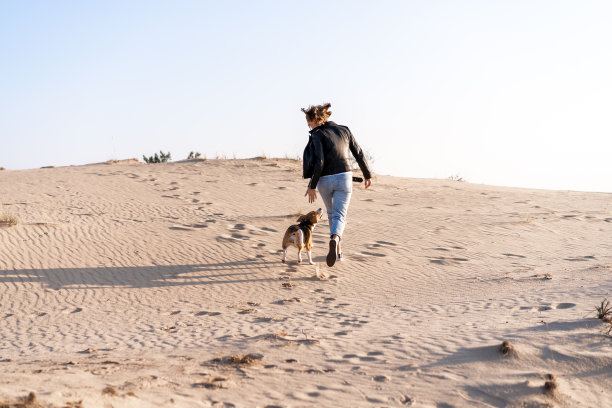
x=134, y=285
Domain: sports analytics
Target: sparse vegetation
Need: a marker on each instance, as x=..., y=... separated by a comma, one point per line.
x=368, y=156
x=507, y=349
x=7, y=220
x=456, y=177
x=109, y=391
x=604, y=310
x=551, y=385
x=24, y=402
x=194, y=155
x=295, y=158
x=245, y=359
x=2, y=168
x=161, y=158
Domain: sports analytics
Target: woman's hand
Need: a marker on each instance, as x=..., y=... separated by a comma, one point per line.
x=312, y=195
x=368, y=183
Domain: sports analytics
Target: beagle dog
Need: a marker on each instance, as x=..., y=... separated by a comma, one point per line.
x=300, y=235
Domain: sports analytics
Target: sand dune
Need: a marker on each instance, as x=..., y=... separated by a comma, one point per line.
x=131, y=285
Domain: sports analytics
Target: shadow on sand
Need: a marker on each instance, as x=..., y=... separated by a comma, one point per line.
x=149, y=276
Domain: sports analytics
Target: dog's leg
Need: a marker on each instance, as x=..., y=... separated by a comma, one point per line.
x=300, y=245
x=284, y=255
x=310, y=258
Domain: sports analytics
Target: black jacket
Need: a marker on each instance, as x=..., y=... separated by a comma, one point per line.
x=327, y=153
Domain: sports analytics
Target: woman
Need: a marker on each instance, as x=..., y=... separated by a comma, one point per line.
x=326, y=163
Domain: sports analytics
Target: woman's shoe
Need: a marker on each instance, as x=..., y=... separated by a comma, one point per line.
x=331, y=255
x=339, y=257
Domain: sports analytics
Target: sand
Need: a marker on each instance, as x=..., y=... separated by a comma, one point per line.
x=134, y=285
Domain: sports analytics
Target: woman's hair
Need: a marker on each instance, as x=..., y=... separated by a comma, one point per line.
x=318, y=114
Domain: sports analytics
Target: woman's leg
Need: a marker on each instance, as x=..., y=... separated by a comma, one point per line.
x=327, y=193
x=342, y=190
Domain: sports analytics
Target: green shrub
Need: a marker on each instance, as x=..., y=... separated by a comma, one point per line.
x=161, y=158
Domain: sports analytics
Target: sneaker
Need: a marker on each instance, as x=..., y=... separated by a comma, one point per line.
x=339, y=257
x=331, y=255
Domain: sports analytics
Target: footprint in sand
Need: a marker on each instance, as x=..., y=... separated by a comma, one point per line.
x=565, y=305
x=77, y=310
x=206, y=313
x=287, y=301
x=386, y=243
x=268, y=229
x=580, y=258
x=180, y=229
x=373, y=254
x=447, y=261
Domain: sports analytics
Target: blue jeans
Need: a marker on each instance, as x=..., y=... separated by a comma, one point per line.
x=336, y=193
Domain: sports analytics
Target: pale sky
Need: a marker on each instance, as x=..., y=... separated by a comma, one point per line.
x=515, y=93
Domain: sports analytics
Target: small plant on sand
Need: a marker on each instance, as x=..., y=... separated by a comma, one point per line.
x=194, y=155
x=369, y=157
x=604, y=310
x=29, y=401
x=507, y=349
x=7, y=220
x=550, y=386
x=243, y=359
x=456, y=177
x=162, y=158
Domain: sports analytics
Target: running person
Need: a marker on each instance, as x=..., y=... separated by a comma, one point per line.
x=326, y=163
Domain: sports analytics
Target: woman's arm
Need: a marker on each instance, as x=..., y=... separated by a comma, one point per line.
x=361, y=160
x=318, y=160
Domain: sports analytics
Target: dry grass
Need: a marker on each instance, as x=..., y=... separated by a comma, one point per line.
x=25, y=402
x=7, y=220
x=294, y=158
x=124, y=161
x=241, y=359
x=2, y=168
x=507, y=349
x=604, y=310
x=551, y=386
x=456, y=177
x=109, y=391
